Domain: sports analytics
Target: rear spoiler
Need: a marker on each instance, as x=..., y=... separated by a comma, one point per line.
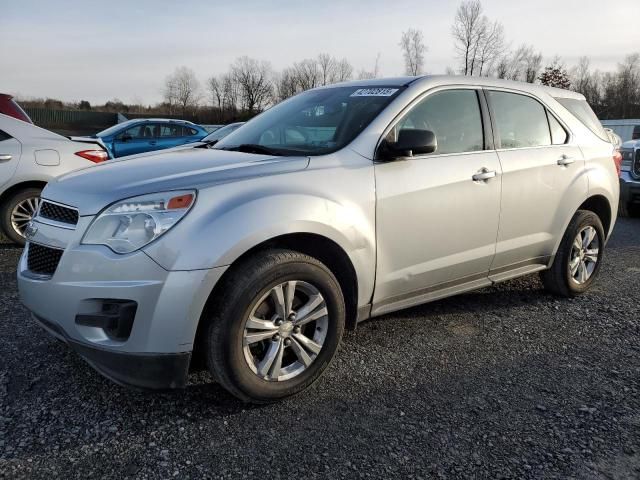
x=95, y=141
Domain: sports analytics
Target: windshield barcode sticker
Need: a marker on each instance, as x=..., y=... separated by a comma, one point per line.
x=374, y=92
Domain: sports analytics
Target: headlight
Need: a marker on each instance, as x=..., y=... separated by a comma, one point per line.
x=130, y=224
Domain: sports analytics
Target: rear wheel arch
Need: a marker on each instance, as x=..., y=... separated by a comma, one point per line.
x=599, y=205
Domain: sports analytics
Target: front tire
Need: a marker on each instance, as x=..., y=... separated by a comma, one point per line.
x=17, y=211
x=578, y=259
x=274, y=326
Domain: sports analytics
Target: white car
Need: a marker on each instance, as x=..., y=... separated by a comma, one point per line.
x=30, y=157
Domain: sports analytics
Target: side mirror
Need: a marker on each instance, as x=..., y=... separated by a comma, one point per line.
x=410, y=142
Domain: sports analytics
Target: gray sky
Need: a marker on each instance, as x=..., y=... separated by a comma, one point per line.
x=97, y=50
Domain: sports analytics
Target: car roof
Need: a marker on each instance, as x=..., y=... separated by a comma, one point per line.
x=158, y=120
x=438, y=80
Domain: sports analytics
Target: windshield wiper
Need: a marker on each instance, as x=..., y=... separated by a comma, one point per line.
x=253, y=148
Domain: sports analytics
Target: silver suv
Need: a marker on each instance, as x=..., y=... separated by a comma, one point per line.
x=340, y=204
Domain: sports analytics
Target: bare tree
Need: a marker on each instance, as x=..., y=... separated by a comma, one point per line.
x=308, y=73
x=328, y=68
x=628, y=84
x=489, y=47
x=368, y=74
x=586, y=82
x=413, y=50
x=344, y=71
x=214, y=85
x=287, y=84
x=519, y=64
x=467, y=30
x=532, y=64
x=182, y=90
x=254, y=82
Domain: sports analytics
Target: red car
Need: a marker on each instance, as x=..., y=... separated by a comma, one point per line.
x=8, y=106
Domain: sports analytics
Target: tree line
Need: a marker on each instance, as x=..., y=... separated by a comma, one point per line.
x=250, y=85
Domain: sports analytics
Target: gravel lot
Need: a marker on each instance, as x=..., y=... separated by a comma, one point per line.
x=506, y=382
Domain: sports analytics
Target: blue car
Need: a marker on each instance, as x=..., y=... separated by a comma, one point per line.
x=145, y=135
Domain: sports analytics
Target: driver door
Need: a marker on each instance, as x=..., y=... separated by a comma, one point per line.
x=436, y=222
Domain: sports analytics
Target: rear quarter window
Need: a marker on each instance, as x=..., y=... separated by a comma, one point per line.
x=582, y=111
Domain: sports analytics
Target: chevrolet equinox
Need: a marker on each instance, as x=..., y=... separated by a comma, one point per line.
x=339, y=204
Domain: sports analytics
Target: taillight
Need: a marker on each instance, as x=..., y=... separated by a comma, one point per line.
x=617, y=159
x=96, y=156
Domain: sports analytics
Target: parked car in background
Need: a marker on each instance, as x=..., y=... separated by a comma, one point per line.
x=8, y=106
x=145, y=135
x=339, y=204
x=207, y=142
x=210, y=128
x=222, y=132
x=630, y=178
x=627, y=129
x=29, y=158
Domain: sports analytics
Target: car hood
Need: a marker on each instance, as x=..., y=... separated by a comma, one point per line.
x=93, y=188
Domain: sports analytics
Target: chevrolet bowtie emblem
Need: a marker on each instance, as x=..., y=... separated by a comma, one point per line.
x=30, y=230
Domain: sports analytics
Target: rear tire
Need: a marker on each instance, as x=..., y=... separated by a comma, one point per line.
x=574, y=270
x=17, y=211
x=254, y=302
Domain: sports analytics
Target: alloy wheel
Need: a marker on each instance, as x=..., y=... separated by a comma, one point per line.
x=585, y=253
x=285, y=331
x=22, y=213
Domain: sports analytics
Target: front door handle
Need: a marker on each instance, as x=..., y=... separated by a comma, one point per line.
x=5, y=157
x=565, y=160
x=152, y=142
x=483, y=175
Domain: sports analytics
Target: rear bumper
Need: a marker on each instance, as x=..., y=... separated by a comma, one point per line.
x=156, y=371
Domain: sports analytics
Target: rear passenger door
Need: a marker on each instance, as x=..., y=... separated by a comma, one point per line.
x=542, y=179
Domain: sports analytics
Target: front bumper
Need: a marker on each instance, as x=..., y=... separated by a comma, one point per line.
x=629, y=189
x=156, y=371
x=156, y=350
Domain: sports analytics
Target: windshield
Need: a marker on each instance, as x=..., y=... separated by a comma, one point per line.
x=314, y=122
x=222, y=132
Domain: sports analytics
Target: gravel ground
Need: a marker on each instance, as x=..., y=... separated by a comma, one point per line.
x=506, y=382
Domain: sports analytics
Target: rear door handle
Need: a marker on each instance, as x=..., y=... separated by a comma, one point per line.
x=565, y=160
x=483, y=175
x=152, y=142
x=5, y=157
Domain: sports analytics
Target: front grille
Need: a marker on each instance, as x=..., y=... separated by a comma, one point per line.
x=56, y=212
x=635, y=169
x=43, y=260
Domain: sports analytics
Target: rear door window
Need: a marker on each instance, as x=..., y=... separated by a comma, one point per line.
x=171, y=131
x=521, y=121
x=4, y=136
